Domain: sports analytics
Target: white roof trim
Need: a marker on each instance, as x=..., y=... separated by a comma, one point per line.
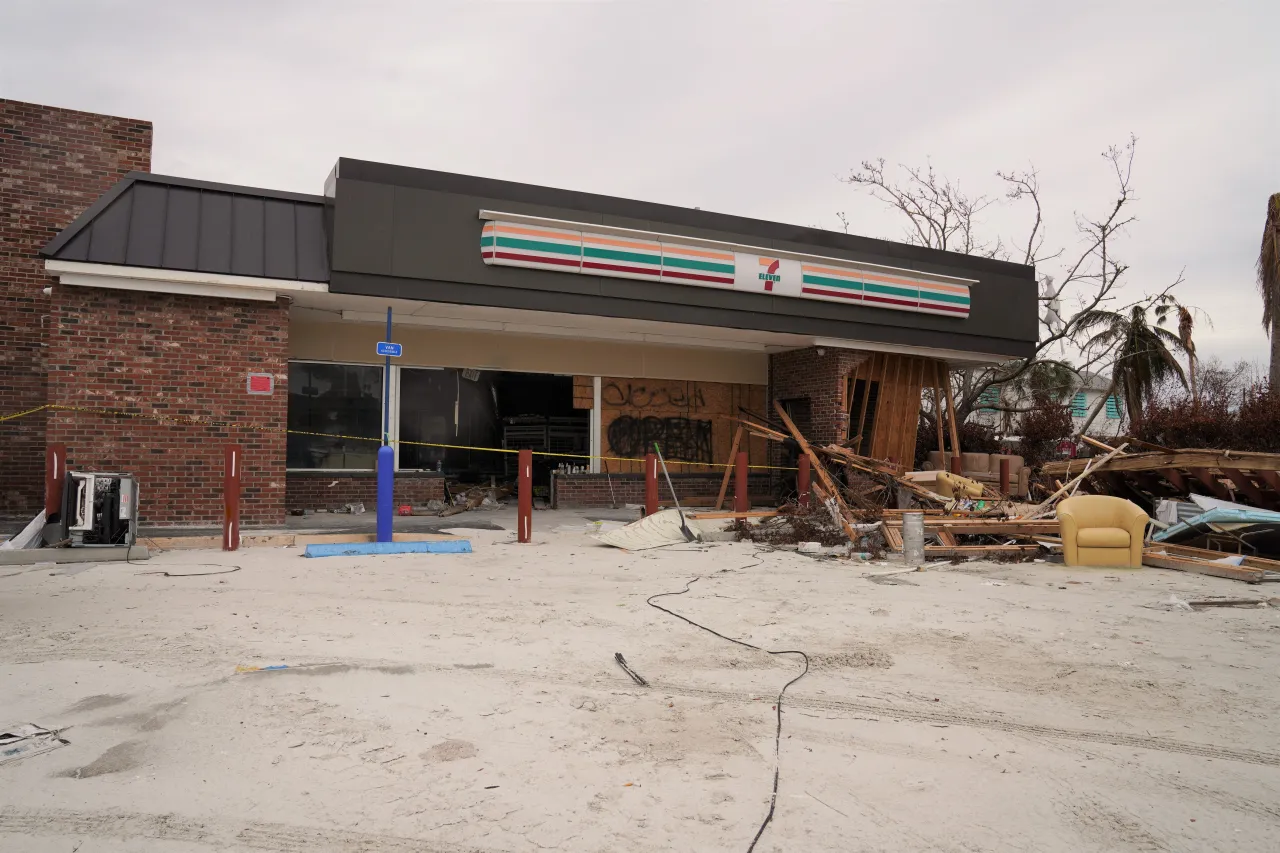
x=520, y=218
x=148, y=280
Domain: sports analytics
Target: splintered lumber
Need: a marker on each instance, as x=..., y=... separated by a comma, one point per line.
x=1053, y=498
x=728, y=470
x=951, y=411
x=1159, y=557
x=1177, y=459
x=770, y=513
x=1205, y=554
x=876, y=466
x=986, y=526
x=829, y=493
x=945, y=551
x=893, y=537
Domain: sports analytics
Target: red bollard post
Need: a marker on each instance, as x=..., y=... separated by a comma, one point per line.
x=741, y=498
x=1004, y=476
x=650, y=483
x=955, y=464
x=232, y=465
x=55, y=477
x=524, y=503
x=802, y=481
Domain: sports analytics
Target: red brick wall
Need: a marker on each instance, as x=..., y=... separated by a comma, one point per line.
x=592, y=490
x=54, y=163
x=328, y=490
x=179, y=356
x=804, y=373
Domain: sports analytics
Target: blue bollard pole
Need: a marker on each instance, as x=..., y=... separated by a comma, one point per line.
x=386, y=455
x=386, y=491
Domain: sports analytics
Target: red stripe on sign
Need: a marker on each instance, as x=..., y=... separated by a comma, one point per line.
x=887, y=301
x=855, y=296
x=666, y=273
x=957, y=309
x=512, y=256
x=596, y=265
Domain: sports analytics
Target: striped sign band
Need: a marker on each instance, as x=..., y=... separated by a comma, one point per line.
x=531, y=246
x=883, y=290
x=652, y=257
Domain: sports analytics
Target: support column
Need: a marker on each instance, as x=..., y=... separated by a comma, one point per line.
x=803, y=487
x=232, y=468
x=55, y=477
x=650, y=483
x=524, y=502
x=741, y=497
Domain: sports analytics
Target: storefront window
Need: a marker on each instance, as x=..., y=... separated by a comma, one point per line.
x=334, y=399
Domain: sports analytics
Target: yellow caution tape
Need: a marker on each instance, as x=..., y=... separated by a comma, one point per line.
x=193, y=421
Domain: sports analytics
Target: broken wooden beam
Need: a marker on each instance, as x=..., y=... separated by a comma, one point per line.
x=1157, y=557
x=950, y=551
x=771, y=513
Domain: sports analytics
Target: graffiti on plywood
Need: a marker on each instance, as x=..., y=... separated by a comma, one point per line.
x=638, y=396
x=684, y=439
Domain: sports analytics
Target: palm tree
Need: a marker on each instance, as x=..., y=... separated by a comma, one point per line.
x=1143, y=351
x=1269, y=283
x=1186, y=324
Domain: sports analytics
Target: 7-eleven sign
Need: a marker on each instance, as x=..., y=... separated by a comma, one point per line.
x=769, y=274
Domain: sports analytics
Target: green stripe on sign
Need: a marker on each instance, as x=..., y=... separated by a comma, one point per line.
x=685, y=263
x=539, y=246
x=487, y=240
x=944, y=297
x=892, y=291
x=832, y=282
x=615, y=255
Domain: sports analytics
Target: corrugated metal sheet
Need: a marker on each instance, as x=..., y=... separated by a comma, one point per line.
x=195, y=226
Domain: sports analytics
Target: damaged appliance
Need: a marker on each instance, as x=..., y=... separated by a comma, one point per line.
x=97, y=509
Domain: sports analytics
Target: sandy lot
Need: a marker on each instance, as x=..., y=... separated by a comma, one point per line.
x=471, y=703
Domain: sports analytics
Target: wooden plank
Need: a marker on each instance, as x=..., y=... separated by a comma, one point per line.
x=945, y=536
x=765, y=513
x=1271, y=478
x=828, y=485
x=1209, y=459
x=951, y=412
x=1175, y=478
x=866, y=397
x=1210, y=481
x=1242, y=483
x=893, y=538
x=937, y=411
x=1105, y=448
x=985, y=527
x=1205, y=554
x=1048, y=502
x=1155, y=558
x=941, y=551
x=728, y=471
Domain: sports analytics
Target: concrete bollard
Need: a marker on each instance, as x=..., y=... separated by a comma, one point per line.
x=913, y=538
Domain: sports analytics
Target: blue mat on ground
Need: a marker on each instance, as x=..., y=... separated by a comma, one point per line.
x=362, y=549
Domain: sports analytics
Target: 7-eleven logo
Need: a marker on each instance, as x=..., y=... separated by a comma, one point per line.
x=770, y=273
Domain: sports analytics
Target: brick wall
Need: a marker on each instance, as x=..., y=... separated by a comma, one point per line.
x=180, y=356
x=327, y=490
x=592, y=490
x=54, y=163
x=820, y=378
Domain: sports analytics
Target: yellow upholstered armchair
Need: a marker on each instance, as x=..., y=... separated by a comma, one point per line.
x=1099, y=530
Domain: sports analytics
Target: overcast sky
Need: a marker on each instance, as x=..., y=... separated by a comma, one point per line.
x=740, y=107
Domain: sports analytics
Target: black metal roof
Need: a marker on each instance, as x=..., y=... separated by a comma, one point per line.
x=164, y=222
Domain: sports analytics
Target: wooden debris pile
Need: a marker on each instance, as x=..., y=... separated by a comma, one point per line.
x=854, y=490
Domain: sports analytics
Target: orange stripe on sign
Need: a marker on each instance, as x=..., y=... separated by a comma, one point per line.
x=625, y=244
x=697, y=253
x=536, y=232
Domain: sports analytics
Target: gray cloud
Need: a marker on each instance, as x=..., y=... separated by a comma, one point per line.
x=745, y=107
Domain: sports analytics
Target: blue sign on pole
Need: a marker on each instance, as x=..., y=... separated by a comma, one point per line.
x=389, y=349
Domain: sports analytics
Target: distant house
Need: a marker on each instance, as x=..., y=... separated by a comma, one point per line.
x=1107, y=423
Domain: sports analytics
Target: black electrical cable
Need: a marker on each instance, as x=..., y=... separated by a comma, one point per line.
x=777, y=736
